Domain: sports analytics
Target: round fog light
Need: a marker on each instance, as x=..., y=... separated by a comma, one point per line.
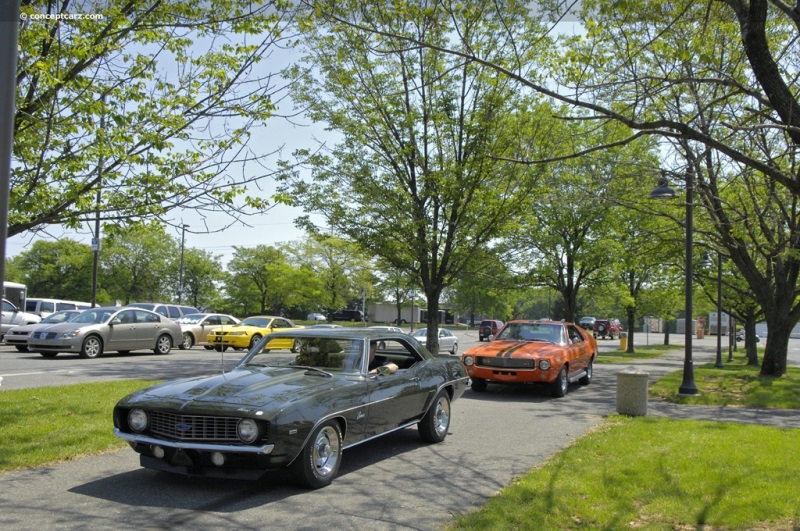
x=218, y=458
x=157, y=452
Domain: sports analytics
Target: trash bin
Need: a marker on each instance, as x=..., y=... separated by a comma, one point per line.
x=623, y=340
x=632, y=392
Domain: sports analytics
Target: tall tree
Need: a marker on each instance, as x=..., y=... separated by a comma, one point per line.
x=716, y=81
x=412, y=180
x=152, y=102
x=135, y=263
x=57, y=269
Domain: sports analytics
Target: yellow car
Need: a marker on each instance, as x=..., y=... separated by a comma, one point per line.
x=249, y=332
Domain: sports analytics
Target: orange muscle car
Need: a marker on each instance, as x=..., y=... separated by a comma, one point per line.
x=548, y=352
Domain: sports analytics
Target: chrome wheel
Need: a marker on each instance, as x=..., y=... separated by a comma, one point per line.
x=163, y=344
x=326, y=451
x=434, y=425
x=92, y=347
x=562, y=383
x=188, y=341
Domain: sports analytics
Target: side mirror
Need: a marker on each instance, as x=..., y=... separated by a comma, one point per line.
x=115, y=321
x=383, y=370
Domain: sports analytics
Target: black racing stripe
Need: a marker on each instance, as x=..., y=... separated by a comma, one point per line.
x=508, y=352
x=501, y=353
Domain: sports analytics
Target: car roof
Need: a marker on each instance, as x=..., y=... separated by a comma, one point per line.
x=349, y=333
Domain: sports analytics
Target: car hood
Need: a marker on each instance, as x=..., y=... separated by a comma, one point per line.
x=60, y=328
x=516, y=349
x=261, y=387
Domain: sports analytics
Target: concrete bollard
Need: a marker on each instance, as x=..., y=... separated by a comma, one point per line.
x=632, y=392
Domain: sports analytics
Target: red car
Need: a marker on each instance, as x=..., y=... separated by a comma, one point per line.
x=607, y=328
x=543, y=352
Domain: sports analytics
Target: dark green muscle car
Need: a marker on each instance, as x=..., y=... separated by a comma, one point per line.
x=299, y=409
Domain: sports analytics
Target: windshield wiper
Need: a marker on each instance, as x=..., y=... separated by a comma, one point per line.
x=316, y=370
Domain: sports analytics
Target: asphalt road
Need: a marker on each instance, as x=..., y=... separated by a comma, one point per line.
x=395, y=482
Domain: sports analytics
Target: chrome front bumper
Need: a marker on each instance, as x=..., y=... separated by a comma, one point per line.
x=229, y=448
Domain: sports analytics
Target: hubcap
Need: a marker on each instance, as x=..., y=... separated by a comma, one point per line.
x=442, y=420
x=326, y=451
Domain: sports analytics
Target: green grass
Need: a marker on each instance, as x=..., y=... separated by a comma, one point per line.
x=736, y=384
x=51, y=424
x=642, y=353
x=645, y=473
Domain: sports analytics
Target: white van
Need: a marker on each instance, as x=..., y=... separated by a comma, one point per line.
x=44, y=307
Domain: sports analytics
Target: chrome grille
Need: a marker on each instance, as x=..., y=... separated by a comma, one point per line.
x=193, y=427
x=505, y=363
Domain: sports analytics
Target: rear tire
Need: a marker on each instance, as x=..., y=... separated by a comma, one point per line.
x=586, y=380
x=434, y=425
x=163, y=344
x=318, y=462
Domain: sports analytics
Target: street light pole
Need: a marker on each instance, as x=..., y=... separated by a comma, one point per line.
x=707, y=262
x=180, y=279
x=663, y=191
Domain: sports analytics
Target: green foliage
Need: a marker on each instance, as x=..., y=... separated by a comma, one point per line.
x=59, y=269
x=151, y=102
x=135, y=263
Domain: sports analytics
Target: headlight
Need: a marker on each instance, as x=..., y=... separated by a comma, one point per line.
x=468, y=360
x=544, y=364
x=237, y=333
x=247, y=429
x=71, y=333
x=137, y=420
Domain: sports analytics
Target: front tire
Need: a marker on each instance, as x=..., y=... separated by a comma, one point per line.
x=561, y=384
x=49, y=354
x=254, y=340
x=454, y=350
x=479, y=385
x=434, y=425
x=163, y=344
x=22, y=348
x=188, y=341
x=319, y=461
x=92, y=347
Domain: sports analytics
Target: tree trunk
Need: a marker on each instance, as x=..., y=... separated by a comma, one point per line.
x=779, y=329
x=631, y=321
x=432, y=337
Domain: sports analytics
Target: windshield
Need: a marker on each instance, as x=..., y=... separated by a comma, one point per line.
x=95, y=316
x=60, y=317
x=192, y=318
x=328, y=354
x=531, y=332
x=260, y=322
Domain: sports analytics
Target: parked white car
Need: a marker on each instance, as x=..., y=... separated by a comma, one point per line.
x=13, y=316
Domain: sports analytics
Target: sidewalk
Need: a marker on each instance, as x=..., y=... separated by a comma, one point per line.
x=703, y=351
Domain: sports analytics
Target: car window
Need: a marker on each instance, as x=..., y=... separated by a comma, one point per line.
x=65, y=306
x=574, y=335
x=30, y=306
x=46, y=306
x=126, y=316
x=146, y=317
x=226, y=320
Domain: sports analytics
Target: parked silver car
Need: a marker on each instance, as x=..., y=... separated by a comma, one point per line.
x=447, y=341
x=107, y=329
x=18, y=335
x=196, y=326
